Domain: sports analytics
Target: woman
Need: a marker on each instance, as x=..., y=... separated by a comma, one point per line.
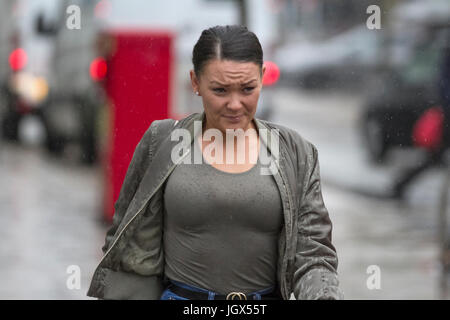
x=221, y=227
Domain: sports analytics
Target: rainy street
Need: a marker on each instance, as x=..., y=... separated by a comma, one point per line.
x=365, y=81
x=51, y=216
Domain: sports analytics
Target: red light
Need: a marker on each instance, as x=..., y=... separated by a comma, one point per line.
x=272, y=73
x=17, y=59
x=98, y=69
x=427, y=131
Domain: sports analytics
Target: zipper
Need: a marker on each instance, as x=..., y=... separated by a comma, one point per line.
x=141, y=209
x=292, y=223
x=284, y=263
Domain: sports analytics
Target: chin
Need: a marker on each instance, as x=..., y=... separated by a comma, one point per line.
x=235, y=125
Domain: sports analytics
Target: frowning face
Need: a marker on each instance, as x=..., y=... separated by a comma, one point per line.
x=230, y=92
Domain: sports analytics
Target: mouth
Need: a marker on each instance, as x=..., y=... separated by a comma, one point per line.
x=233, y=119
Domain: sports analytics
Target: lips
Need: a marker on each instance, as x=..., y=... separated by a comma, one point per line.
x=234, y=118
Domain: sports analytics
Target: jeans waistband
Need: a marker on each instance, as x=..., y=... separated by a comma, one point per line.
x=211, y=294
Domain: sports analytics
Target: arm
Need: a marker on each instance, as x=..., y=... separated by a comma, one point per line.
x=140, y=271
x=316, y=261
x=131, y=281
x=136, y=169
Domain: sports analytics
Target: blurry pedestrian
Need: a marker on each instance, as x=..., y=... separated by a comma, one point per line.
x=210, y=230
x=435, y=154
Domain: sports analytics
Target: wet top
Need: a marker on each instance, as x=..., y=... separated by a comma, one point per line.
x=221, y=229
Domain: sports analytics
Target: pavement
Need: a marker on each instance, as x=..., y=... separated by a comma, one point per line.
x=50, y=220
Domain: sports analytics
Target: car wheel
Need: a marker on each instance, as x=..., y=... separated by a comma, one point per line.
x=10, y=126
x=60, y=120
x=88, y=138
x=375, y=139
x=54, y=144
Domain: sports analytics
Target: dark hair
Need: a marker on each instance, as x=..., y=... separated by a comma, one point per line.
x=233, y=42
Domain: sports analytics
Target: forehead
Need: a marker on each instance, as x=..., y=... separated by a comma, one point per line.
x=230, y=72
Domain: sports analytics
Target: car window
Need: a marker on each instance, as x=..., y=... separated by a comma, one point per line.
x=423, y=67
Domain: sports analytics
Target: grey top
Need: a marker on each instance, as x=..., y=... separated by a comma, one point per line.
x=221, y=229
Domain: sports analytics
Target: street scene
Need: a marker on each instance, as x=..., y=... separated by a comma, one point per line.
x=74, y=103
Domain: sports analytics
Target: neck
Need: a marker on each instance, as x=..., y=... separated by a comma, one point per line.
x=251, y=125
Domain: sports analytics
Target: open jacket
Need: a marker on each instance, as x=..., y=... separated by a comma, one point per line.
x=132, y=266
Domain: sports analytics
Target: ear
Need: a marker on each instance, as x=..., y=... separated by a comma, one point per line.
x=194, y=81
x=263, y=72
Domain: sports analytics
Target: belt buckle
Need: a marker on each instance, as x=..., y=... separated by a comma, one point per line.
x=233, y=295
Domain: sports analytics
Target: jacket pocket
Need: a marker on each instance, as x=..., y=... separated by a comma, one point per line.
x=120, y=285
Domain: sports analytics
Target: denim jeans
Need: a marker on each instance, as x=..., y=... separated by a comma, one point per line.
x=169, y=295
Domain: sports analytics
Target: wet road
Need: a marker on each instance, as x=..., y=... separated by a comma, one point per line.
x=49, y=221
x=50, y=216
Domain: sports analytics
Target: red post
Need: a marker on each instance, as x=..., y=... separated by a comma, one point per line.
x=138, y=89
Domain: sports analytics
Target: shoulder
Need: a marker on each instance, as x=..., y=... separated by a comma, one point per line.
x=152, y=136
x=161, y=127
x=159, y=130
x=293, y=140
x=167, y=125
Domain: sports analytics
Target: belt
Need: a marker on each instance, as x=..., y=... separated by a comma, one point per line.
x=198, y=295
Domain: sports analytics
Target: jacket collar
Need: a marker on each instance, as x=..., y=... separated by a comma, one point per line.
x=162, y=165
x=265, y=132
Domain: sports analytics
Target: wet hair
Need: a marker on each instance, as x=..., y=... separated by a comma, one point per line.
x=230, y=42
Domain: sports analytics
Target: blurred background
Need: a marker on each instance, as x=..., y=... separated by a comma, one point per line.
x=364, y=80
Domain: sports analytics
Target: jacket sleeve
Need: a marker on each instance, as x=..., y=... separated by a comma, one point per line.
x=126, y=282
x=315, y=262
x=136, y=169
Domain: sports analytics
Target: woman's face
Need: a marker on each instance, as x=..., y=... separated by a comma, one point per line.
x=230, y=92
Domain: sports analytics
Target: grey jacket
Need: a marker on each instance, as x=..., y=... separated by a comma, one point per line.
x=132, y=266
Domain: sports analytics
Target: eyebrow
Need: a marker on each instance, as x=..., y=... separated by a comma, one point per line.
x=225, y=85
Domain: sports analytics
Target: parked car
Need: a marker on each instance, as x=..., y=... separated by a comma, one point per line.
x=339, y=60
x=56, y=89
x=8, y=43
x=399, y=96
x=23, y=95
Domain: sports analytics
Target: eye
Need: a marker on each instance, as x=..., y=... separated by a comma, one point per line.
x=219, y=90
x=249, y=89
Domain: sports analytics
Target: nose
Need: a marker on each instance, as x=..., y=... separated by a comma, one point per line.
x=234, y=103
